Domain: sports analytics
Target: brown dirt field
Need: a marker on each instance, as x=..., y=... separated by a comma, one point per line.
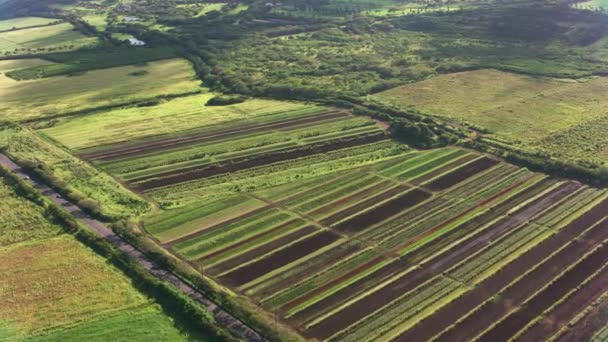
x=353, y=198
x=283, y=226
x=359, y=207
x=382, y=212
x=589, y=325
x=455, y=310
x=416, y=256
x=248, y=162
x=449, y=166
x=554, y=292
x=461, y=174
x=261, y=250
x=216, y=226
x=165, y=143
x=566, y=311
x=386, y=295
x=515, y=294
x=279, y=259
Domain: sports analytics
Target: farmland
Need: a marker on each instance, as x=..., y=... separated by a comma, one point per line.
x=318, y=218
x=55, y=289
x=563, y=118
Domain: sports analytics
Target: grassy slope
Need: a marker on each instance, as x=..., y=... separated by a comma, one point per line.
x=58, y=95
x=23, y=22
x=60, y=36
x=534, y=111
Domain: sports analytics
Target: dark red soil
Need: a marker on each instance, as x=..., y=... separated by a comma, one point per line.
x=589, y=325
x=216, y=226
x=283, y=226
x=351, y=198
x=461, y=174
x=417, y=256
x=443, y=169
x=279, y=259
x=517, y=293
x=548, y=296
x=567, y=310
x=457, y=309
x=361, y=206
x=165, y=143
x=389, y=293
x=261, y=250
x=248, y=162
x=382, y=212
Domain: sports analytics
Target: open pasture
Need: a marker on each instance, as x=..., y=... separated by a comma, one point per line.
x=49, y=97
x=60, y=37
x=563, y=118
x=24, y=22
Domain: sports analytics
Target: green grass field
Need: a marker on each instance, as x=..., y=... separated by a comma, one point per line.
x=56, y=289
x=23, y=100
x=564, y=118
x=18, y=23
x=61, y=37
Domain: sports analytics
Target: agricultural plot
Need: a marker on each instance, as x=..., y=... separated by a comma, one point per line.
x=563, y=118
x=345, y=235
x=49, y=97
x=24, y=22
x=60, y=37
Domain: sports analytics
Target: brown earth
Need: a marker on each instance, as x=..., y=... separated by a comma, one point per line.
x=443, y=169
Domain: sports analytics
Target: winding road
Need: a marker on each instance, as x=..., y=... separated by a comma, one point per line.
x=223, y=317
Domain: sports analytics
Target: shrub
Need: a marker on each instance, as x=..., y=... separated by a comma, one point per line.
x=225, y=100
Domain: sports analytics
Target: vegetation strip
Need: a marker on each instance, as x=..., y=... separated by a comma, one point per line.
x=378, y=299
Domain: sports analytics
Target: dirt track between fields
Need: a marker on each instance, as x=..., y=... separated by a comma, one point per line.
x=222, y=317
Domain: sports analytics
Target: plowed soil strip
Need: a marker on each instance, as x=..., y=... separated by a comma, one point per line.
x=515, y=294
x=382, y=212
x=384, y=296
x=121, y=151
x=246, y=241
x=215, y=227
x=359, y=207
x=234, y=165
x=584, y=329
x=565, y=311
x=443, y=169
x=457, y=309
x=551, y=294
x=261, y=250
x=417, y=256
x=279, y=259
x=461, y=174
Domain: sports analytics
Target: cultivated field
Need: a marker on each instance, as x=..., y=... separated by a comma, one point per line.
x=60, y=37
x=48, y=97
x=345, y=235
x=24, y=22
x=564, y=118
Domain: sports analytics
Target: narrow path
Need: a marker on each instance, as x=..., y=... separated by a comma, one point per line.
x=222, y=317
